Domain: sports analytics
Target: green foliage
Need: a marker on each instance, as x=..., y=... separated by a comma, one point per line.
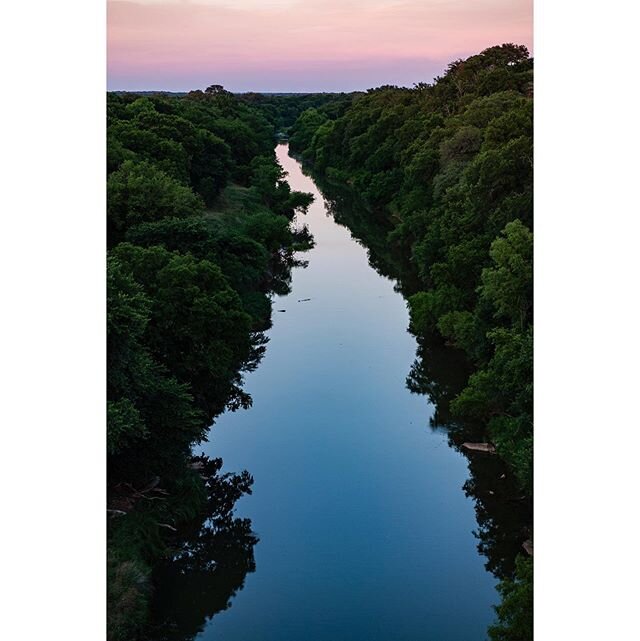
x=147, y=407
x=124, y=425
x=515, y=613
x=198, y=327
x=461, y=327
x=202, y=140
x=139, y=192
x=500, y=393
x=269, y=183
x=243, y=259
x=461, y=146
x=305, y=129
x=513, y=437
x=427, y=307
x=283, y=110
x=128, y=589
x=508, y=284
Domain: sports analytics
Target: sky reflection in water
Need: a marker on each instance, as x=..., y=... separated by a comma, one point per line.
x=365, y=533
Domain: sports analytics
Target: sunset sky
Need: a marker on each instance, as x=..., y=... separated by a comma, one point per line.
x=300, y=45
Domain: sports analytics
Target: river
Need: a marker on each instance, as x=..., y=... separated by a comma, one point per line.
x=365, y=533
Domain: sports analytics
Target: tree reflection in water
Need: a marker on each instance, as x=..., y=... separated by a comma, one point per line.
x=213, y=554
x=440, y=372
x=211, y=561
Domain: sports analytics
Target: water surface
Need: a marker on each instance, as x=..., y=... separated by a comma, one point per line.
x=365, y=532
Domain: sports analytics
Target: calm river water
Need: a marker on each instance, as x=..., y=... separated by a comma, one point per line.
x=365, y=532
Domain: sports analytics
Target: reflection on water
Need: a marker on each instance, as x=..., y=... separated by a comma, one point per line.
x=440, y=372
x=365, y=532
x=210, y=563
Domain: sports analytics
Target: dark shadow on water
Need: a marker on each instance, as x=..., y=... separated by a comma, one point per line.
x=440, y=372
x=211, y=561
x=212, y=555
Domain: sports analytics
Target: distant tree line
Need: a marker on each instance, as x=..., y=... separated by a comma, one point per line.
x=283, y=110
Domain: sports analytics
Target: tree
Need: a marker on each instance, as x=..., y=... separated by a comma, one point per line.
x=151, y=418
x=139, y=192
x=214, y=90
x=508, y=284
x=198, y=328
x=515, y=613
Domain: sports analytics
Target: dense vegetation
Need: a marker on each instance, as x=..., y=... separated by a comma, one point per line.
x=199, y=233
x=283, y=110
x=446, y=170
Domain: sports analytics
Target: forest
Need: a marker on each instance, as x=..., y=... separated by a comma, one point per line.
x=445, y=170
x=201, y=233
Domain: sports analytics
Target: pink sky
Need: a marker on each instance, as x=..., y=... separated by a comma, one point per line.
x=301, y=45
